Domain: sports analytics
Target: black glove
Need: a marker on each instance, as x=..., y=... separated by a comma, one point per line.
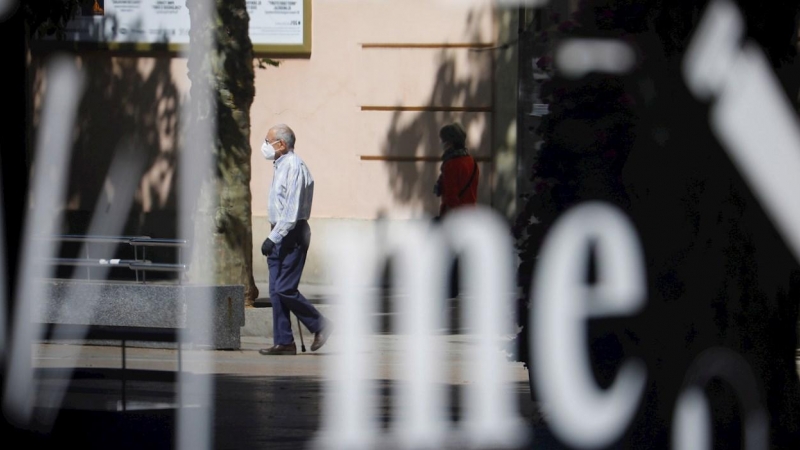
x=267, y=246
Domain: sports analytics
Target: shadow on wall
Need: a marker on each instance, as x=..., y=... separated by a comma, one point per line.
x=126, y=100
x=455, y=97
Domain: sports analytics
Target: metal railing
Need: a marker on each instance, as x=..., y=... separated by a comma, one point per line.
x=140, y=266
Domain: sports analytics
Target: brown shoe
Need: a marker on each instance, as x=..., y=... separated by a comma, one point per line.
x=289, y=349
x=321, y=336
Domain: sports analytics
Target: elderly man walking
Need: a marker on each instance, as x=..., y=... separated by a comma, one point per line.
x=287, y=244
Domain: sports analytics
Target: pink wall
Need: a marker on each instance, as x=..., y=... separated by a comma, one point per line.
x=322, y=97
x=382, y=78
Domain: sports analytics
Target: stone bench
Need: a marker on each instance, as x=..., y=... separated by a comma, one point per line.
x=128, y=313
x=126, y=303
x=130, y=304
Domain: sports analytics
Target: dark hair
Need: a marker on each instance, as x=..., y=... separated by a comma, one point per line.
x=453, y=134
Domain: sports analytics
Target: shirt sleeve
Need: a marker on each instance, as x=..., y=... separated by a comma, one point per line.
x=289, y=205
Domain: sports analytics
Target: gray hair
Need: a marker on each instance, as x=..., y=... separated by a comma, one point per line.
x=453, y=134
x=284, y=133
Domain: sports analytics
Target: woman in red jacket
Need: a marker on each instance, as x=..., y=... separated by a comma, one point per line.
x=458, y=182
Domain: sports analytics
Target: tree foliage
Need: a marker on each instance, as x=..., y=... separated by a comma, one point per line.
x=49, y=17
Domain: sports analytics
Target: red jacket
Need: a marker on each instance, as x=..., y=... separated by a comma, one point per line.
x=456, y=174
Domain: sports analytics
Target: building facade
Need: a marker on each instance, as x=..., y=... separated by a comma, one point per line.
x=366, y=105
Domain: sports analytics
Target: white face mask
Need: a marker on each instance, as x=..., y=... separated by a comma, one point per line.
x=268, y=150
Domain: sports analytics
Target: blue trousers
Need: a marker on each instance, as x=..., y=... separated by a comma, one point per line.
x=286, y=264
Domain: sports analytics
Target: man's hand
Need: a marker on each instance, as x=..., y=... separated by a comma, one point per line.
x=266, y=247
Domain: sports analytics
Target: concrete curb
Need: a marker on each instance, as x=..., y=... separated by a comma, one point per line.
x=315, y=293
x=258, y=319
x=258, y=323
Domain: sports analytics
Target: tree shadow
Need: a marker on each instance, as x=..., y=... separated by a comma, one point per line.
x=128, y=100
x=412, y=149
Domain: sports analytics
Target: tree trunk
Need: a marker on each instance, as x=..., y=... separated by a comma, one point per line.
x=230, y=72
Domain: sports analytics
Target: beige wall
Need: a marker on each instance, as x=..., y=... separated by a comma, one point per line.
x=322, y=98
x=127, y=99
x=382, y=78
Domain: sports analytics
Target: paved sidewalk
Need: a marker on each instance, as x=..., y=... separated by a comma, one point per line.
x=260, y=402
x=258, y=319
